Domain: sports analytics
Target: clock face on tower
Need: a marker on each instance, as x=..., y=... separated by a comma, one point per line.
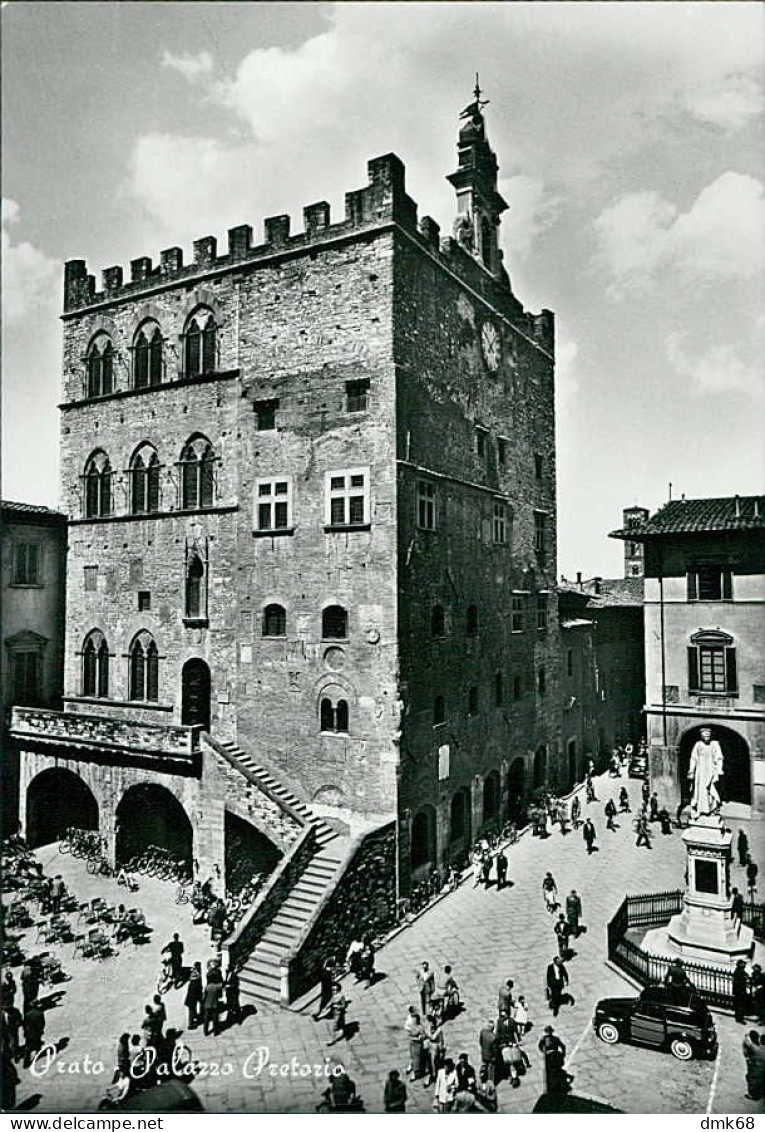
x=491, y=345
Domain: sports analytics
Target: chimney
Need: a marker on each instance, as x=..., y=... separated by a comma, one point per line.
x=756, y=508
x=737, y=501
x=597, y=584
x=579, y=578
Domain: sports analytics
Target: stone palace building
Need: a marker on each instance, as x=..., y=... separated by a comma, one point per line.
x=312, y=543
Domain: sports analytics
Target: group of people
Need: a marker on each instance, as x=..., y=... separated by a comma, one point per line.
x=26, y=1019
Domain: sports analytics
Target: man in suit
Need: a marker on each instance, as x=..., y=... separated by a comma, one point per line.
x=589, y=835
x=557, y=981
x=210, y=1005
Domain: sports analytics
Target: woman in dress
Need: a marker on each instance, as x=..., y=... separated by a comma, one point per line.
x=417, y=1036
x=336, y=1015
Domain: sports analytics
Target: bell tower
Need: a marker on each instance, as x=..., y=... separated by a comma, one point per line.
x=479, y=204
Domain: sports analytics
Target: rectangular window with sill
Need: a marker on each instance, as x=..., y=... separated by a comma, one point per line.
x=265, y=415
x=540, y=535
x=516, y=614
x=273, y=504
x=712, y=668
x=541, y=611
x=347, y=498
x=356, y=396
x=27, y=564
x=500, y=524
x=710, y=583
x=481, y=443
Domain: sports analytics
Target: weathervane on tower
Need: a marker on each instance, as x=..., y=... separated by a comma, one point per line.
x=473, y=110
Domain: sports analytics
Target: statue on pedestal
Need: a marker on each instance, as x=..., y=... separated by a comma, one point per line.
x=706, y=769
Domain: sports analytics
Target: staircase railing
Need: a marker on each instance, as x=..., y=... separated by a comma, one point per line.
x=277, y=888
x=255, y=779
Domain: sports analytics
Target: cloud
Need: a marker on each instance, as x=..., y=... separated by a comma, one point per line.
x=30, y=278
x=533, y=209
x=306, y=118
x=719, y=369
x=719, y=237
x=192, y=67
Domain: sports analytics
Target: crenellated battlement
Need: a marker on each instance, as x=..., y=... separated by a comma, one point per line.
x=384, y=198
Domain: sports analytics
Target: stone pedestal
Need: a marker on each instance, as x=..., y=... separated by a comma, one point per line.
x=705, y=930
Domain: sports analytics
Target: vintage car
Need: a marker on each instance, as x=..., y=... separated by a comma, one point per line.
x=673, y=1018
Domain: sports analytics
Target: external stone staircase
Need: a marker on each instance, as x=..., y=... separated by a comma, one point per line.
x=260, y=974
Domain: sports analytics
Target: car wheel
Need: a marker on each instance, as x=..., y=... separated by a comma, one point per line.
x=608, y=1033
x=682, y=1049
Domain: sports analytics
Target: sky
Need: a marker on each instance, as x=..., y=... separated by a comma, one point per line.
x=630, y=143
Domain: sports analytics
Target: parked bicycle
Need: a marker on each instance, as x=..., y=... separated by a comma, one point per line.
x=99, y=866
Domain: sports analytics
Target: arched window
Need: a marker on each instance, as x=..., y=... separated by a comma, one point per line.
x=274, y=621
x=197, y=464
x=98, y=491
x=147, y=356
x=333, y=716
x=471, y=621
x=144, y=481
x=95, y=665
x=100, y=364
x=439, y=710
x=195, y=573
x=334, y=622
x=437, y=621
x=144, y=669
x=200, y=344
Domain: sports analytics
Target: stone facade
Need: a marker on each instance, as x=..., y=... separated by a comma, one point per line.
x=366, y=358
x=704, y=627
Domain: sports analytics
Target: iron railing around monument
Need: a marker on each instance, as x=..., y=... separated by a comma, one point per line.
x=653, y=909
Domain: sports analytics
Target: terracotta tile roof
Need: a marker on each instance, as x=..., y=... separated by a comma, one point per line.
x=14, y=508
x=608, y=591
x=681, y=516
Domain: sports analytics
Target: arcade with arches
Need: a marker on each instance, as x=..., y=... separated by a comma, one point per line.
x=58, y=798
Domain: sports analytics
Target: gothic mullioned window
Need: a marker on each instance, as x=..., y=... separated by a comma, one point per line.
x=333, y=716
x=144, y=668
x=197, y=464
x=147, y=356
x=100, y=366
x=144, y=481
x=98, y=486
x=200, y=344
x=95, y=665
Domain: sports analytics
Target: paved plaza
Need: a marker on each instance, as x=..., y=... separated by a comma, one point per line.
x=487, y=936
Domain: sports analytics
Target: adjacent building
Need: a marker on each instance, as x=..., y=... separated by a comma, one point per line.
x=32, y=655
x=704, y=632
x=311, y=490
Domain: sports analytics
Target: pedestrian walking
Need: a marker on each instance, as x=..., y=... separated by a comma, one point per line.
x=326, y=981
x=446, y=1087
x=665, y=821
x=8, y=990
x=477, y=865
x=159, y=1013
x=12, y=1024
x=550, y=892
x=562, y=931
x=501, y=870
x=486, y=869
x=643, y=833
x=487, y=1041
x=485, y=1092
x=564, y=817
x=9, y=1080
x=34, y=1028
x=624, y=800
x=645, y=791
x=367, y=962
x=754, y=1062
x=30, y=984
x=576, y=811
x=57, y=894
x=737, y=904
x=574, y=912
x=193, y=998
x=417, y=1037
x=394, y=1094
x=589, y=835
x=336, y=1015
x=175, y=950
x=590, y=789
x=740, y=991
x=520, y=1018
x=437, y=1042
x=751, y=878
x=557, y=1080
x=742, y=847
x=557, y=981
x=505, y=997
x=676, y=975
x=353, y=956
x=610, y=812
x=425, y=986
x=232, y=991
x=211, y=1007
